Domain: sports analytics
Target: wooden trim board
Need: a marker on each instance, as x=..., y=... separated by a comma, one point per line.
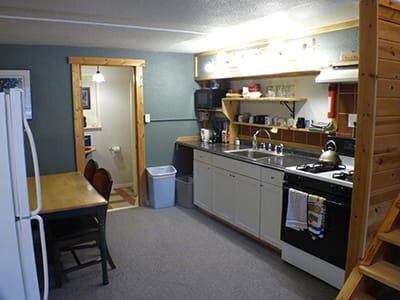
x=105, y=61
x=137, y=65
x=367, y=89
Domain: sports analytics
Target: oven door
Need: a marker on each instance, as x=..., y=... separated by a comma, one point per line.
x=332, y=247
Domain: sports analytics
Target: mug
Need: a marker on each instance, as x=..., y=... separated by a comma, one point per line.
x=301, y=123
x=268, y=120
x=290, y=122
x=205, y=134
x=214, y=85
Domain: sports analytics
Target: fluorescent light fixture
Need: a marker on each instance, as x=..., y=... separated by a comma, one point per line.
x=98, y=77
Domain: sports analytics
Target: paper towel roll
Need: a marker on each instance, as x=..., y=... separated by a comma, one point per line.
x=115, y=149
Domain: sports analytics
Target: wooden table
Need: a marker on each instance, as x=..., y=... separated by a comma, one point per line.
x=70, y=194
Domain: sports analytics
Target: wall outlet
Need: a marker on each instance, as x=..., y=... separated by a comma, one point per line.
x=351, y=120
x=147, y=118
x=349, y=56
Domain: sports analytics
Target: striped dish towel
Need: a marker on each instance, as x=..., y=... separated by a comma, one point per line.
x=316, y=216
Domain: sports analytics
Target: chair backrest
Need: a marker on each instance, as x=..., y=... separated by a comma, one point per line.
x=102, y=182
x=90, y=169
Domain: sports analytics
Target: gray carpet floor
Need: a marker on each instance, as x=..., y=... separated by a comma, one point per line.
x=177, y=253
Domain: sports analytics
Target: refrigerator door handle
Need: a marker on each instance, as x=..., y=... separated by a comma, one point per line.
x=35, y=165
x=44, y=256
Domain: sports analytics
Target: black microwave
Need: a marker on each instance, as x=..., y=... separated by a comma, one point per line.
x=207, y=98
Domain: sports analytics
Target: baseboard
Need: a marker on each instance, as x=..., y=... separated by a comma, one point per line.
x=122, y=185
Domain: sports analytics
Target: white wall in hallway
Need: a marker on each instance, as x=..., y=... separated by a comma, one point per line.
x=114, y=107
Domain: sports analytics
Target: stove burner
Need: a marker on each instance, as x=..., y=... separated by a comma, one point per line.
x=319, y=168
x=344, y=176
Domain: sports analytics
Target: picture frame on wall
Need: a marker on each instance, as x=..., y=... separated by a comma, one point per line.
x=86, y=97
x=11, y=79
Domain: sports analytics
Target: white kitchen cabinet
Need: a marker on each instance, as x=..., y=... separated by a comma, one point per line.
x=223, y=194
x=247, y=204
x=243, y=194
x=271, y=206
x=202, y=178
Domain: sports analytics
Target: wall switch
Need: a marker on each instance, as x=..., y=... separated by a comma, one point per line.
x=147, y=118
x=351, y=120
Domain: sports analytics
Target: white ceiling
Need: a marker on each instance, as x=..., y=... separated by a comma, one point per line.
x=164, y=25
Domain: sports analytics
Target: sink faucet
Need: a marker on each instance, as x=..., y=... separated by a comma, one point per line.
x=255, y=137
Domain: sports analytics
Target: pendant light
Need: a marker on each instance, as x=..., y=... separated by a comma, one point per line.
x=98, y=77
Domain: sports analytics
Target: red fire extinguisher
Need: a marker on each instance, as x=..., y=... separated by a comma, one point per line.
x=332, y=91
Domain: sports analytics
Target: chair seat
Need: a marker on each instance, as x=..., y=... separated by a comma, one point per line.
x=73, y=231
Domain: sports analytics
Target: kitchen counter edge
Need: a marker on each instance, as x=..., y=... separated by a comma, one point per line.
x=293, y=156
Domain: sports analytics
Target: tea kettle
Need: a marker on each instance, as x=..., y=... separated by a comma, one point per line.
x=329, y=156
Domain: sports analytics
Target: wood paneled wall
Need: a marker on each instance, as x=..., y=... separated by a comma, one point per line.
x=386, y=157
x=377, y=169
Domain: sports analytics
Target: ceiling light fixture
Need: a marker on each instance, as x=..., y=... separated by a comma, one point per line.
x=98, y=77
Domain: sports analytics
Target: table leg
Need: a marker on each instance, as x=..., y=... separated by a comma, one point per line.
x=103, y=248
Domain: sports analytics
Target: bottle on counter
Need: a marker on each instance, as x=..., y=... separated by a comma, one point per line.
x=225, y=136
x=237, y=141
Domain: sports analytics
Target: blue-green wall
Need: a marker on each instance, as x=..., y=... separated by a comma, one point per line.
x=168, y=94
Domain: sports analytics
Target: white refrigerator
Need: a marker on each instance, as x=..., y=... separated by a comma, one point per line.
x=18, y=273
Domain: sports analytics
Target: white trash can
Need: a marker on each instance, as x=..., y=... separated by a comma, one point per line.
x=161, y=183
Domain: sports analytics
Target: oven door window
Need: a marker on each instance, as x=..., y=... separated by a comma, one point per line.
x=333, y=246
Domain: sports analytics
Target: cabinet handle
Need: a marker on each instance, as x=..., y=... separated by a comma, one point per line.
x=261, y=185
x=232, y=175
x=272, y=177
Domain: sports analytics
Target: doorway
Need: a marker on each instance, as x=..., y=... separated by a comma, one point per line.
x=137, y=110
x=109, y=114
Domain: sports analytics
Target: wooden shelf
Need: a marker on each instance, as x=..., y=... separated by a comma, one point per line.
x=281, y=100
x=279, y=127
x=216, y=109
x=288, y=73
x=89, y=150
x=266, y=99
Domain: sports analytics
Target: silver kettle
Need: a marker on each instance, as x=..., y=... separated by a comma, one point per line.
x=329, y=156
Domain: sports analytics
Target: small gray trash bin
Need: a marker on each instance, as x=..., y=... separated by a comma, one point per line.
x=161, y=181
x=184, y=191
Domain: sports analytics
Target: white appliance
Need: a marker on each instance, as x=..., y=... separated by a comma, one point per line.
x=18, y=274
x=339, y=73
x=205, y=134
x=325, y=256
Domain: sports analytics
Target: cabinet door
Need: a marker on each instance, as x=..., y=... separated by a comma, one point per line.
x=247, y=204
x=223, y=194
x=271, y=210
x=202, y=179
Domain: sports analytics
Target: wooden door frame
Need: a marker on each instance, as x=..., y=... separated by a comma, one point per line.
x=137, y=66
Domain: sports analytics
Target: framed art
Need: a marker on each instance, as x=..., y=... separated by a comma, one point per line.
x=86, y=97
x=10, y=79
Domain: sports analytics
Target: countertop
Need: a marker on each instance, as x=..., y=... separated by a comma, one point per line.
x=291, y=157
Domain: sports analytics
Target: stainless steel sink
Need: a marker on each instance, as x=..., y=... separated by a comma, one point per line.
x=253, y=154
